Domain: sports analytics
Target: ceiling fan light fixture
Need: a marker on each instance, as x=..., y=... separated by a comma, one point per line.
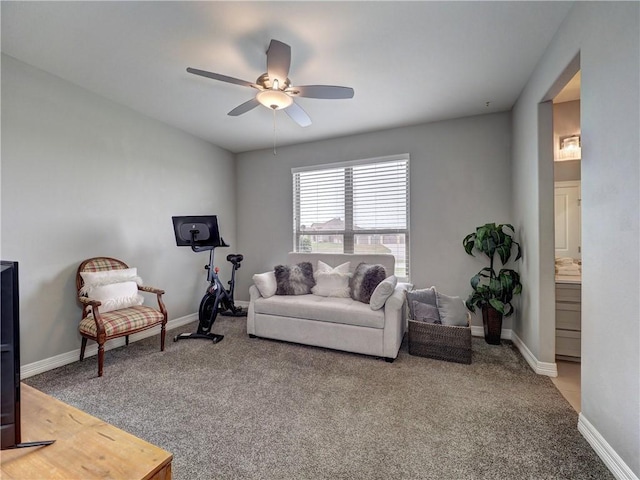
x=274, y=99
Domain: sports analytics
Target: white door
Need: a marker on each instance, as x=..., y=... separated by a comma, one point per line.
x=568, y=219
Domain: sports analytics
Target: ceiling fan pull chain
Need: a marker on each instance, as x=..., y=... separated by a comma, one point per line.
x=274, y=131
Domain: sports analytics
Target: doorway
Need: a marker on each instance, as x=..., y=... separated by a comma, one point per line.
x=568, y=233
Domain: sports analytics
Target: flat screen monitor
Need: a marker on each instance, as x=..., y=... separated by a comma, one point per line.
x=10, y=354
x=197, y=231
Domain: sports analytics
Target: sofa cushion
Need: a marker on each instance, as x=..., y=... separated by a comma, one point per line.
x=295, y=279
x=364, y=281
x=324, y=309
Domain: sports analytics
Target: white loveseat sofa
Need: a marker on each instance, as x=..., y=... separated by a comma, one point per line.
x=330, y=322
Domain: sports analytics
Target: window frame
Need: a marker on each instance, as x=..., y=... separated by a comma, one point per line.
x=349, y=233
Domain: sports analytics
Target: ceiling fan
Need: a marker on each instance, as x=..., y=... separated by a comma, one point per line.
x=275, y=90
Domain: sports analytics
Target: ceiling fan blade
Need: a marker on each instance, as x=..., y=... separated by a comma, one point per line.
x=298, y=115
x=222, y=78
x=244, y=107
x=278, y=62
x=321, y=91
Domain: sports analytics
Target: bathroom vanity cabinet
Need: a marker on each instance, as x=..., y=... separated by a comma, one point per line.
x=568, y=318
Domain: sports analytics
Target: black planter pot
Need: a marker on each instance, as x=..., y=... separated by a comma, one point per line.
x=492, y=321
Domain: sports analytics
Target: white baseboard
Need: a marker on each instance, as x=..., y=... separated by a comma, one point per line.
x=31, y=369
x=608, y=455
x=541, y=368
x=477, y=331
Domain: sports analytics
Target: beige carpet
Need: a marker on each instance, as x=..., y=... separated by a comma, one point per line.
x=256, y=408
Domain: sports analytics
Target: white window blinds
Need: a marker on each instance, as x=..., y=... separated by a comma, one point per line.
x=354, y=207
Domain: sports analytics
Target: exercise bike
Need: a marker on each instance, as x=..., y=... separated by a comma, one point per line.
x=217, y=299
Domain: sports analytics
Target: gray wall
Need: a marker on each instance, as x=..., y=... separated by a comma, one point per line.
x=566, y=170
x=606, y=35
x=83, y=177
x=460, y=178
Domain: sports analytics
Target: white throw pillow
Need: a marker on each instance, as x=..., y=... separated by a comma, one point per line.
x=383, y=291
x=115, y=296
x=107, y=277
x=332, y=282
x=266, y=283
x=325, y=268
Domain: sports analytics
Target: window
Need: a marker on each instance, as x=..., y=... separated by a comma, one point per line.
x=354, y=207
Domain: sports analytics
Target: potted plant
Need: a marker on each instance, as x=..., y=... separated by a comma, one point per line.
x=493, y=292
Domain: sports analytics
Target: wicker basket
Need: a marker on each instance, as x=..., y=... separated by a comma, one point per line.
x=442, y=342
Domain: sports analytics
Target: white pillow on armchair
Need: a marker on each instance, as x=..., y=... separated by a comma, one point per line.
x=114, y=289
x=117, y=295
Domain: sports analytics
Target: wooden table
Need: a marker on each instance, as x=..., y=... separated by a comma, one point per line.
x=85, y=447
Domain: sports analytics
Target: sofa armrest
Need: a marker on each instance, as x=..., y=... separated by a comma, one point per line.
x=254, y=294
x=394, y=321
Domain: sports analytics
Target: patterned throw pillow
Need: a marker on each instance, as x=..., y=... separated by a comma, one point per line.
x=364, y=281
x=294, y=279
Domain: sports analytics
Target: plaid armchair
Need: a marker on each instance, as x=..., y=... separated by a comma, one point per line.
x=111, y=305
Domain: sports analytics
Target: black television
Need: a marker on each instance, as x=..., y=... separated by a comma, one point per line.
x=9, y=354
x=200, y=232
x=10, y=359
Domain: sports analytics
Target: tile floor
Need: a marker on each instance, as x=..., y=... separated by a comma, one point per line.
x=568, y=382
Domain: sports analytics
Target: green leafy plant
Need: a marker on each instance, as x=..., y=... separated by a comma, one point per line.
x=489, y=287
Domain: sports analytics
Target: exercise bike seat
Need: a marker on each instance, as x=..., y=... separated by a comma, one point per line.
x=235, y=258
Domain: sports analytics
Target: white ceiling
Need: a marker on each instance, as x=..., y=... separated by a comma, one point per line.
x=409, y=62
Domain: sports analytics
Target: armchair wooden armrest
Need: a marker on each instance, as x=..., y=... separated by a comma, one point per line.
x=94, y=304
x=86, y=301
x=146, y=288
x=159, y=293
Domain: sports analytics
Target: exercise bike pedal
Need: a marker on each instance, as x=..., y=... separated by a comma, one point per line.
x=238, y=312
x=207, y=336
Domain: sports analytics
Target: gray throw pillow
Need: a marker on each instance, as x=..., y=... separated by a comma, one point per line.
x=295, y=279
x=423, y=312
x=425, y=295
x=452, y=310
x=364, y=281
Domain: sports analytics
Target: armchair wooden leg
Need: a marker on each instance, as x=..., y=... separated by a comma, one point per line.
x=83, y=346
x=126, y=340
x=100, y=358
x=163, y=331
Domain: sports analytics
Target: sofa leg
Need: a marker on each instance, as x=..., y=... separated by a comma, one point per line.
x=251, y=335
x=389, y=360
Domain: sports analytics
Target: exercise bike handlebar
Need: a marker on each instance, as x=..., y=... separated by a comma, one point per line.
x=209, y=247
